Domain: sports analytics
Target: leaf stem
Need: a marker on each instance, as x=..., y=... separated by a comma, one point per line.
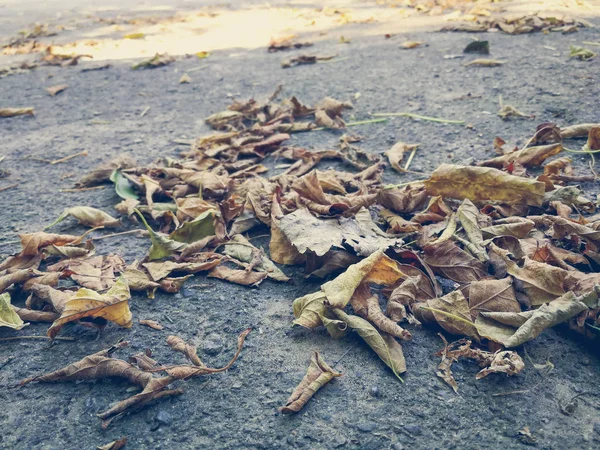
x=418, y=116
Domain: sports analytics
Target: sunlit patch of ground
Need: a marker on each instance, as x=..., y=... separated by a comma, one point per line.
x=107, y=34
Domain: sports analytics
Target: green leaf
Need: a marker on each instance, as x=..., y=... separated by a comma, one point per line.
x=162, y=246
x=199, y=228
x=123, y=186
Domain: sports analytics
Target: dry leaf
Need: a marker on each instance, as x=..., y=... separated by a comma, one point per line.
x=481, y=184
x=185, y=78
x=396, y=154
x=96, y=272
x=114, y=445
x=484, y=62
x=318, y=375
x=152, y=324
x=189, y=351
x=88, y=216
x=56, y=89
x=241, y=249
x=8, y=317
x=411, y=44
x=242, y=277
x=13, y=112
x=492, y=296
x=157, y=60
x=451, y=312
x=112, y=306
x=449, y=261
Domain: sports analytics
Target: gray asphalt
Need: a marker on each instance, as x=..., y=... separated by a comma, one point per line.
x=368, y=408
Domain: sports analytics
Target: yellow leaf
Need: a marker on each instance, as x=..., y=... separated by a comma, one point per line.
x=8, y=317
x=134, y=36
x=112, y=305
x=202, y=55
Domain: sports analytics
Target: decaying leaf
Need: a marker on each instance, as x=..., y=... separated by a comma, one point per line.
x=481, y=184
x=54, y=90
x=152, y=324
x=582, y=53
x=185, y=78
x=8, y=317
x=13, y=112
x=492, y=296
x=451, y=312
x=448, y=260
x=112, y=306
x=508, y=362
x=241, y=249
x=242, y=277
x=513, y=329
x=157, y=60
x=411, y=44
x=189, y=351
x=319, y=373
x=114, y=445
x=396, y=154
x=484, y=62
x=88, y=216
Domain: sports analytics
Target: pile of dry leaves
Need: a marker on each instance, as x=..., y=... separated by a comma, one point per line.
x=516, y=248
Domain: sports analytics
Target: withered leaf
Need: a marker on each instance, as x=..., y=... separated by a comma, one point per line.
x=189, y=351
x=386, y=347
x=18, y=276
x=114, y=445
x=481, y=184
x=396, y=154
x=157, y=60
x=30, y=315
x=54, y=90
x=112, y=306
x=241, y=249
x=451, y=312
x=205, y=262
x=484, y=62
x=280, y=248
x=242, y=277
x=152, y=324
x=13, y=112
x=513, y=329
x=449, y=261
x=492, y=295
x=162, y=246
x=95, y=272
x=32, y=243
x=319, y=373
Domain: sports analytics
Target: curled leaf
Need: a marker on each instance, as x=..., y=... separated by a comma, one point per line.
x=319, y=373
x=8, y=317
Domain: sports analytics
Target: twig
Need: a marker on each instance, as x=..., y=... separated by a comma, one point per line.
x=6, y=188
x=410, y=158
x=591, y=43
x=333, y=60
x=345, y=353
x=418, y=116
x=6, y=361
x=83, y=189
x=122, y=233
x=143, y=113
x=393, y=186
x=46, y=338
x=353, y=124
x=66, y=158
x=197, y=68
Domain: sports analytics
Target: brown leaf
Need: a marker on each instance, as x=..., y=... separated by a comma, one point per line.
x=451, y=312
x=318, y=375
x=152, y=324
x=527, y=157
x=328, y=113
x=95, y=272
x=57, y=299
x=492, y=295
x=449, y=261
x=367, y=306
x=242, y=277
x=280, y=248
x=396, y=154
x=593, y=141
x=56, y=89
x=114, y=445
x=13, y=112
x=189, y=351
x=33, y=243
x=18, y=276
x=405, y=200
x=405, y=295
x=29, y=315
x=201, y=263
x=484, y=62
x=481, y=184
x=412, y=44
x=102, y=173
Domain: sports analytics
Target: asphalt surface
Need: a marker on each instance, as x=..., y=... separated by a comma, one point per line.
x=367, y=408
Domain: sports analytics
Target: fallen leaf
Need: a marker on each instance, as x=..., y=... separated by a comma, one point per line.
x=189, y=351
x=88, y=216
x=386, y=347
x=185, y=78
x=484, y=62
x=242, y=277
x=114, y=445
x=162, y=246
x=56, y=89
x=202, y=55
x=241, y=249
x=581, y=53
x=451, y=312
x=480, y=47
x=123, y=186
x=492, y=296
x=152, y=324
x=112, y=306
x=13, y=112
x=157, y=60
x=396, y=154
x=319, y=373
x=481, y=184
x=8, y=317
x=95, y=272
x=134, y=36
x=449, y=261
x=411, y=44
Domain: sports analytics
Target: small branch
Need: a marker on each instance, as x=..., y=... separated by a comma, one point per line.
x=143, y=113
x=6, y=188
x=66, y=158
x=123, y=233
x=83, y=189
x=410, y=158
x=353, y=124
x=393, y=186
x=417, y=116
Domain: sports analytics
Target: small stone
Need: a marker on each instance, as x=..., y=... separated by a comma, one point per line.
x=163, y=417
x=413, y=429
x=213, y=344
x=339, y=441
x=366, y=427
x=374, y=391
x=237, y=385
